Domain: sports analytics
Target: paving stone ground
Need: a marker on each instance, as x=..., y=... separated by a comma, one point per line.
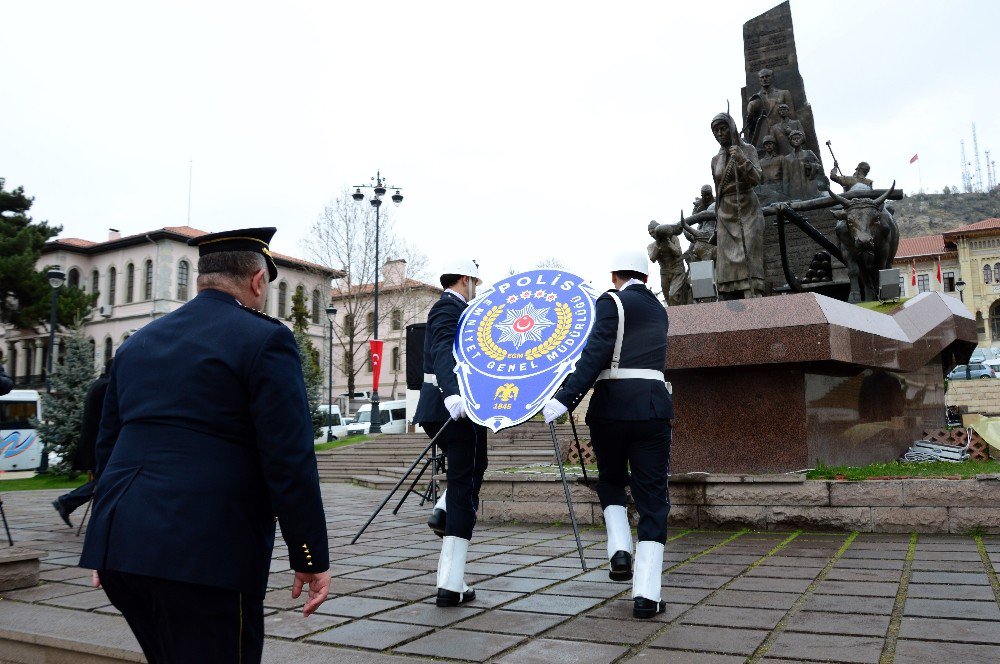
x=732, y=596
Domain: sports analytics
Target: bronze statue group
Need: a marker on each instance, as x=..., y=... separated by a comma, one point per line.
x=765, y=163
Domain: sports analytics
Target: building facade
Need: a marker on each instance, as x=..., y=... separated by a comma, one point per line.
x=970, y=270
x=402, y=302
x=139, y=278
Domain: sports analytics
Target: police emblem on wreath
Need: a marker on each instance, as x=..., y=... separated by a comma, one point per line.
x=517, y=341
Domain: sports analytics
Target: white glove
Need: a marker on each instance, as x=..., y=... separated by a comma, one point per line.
x=553, y=409
x=455, y=405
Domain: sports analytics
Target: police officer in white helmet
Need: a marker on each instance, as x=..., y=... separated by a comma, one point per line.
x=463, y=443
x=629, y=419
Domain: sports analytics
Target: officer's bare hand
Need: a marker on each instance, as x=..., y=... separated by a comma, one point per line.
x=95, y=579
x=319, y=588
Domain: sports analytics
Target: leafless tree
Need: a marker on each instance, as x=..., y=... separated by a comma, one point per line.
x=343, y=237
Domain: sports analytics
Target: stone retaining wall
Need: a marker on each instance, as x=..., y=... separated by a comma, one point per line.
x=768, y=502
x=977, y=396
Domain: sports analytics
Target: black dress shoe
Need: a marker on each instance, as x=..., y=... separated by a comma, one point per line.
x=621, y=566
x=647, y=608
x=437, y=521
x=452, y=598
x=62, y=512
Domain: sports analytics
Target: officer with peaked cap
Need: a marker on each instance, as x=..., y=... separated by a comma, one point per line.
x=194, y=475
x=463, y=442
x=629, y=419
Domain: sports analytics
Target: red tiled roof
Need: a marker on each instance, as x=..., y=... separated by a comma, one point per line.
x=364, y=289
x=984, y=225
x=188, y=232
x=925, y=245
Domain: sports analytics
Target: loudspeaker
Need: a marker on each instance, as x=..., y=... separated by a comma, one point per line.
x=888, y=284
x=415, y=355
x=703, y=280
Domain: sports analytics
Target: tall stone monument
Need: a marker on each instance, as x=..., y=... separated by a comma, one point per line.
x=769, y=43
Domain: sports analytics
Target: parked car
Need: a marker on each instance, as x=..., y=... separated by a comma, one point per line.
x=965, y=371
x=391, y=413
x=337, y=426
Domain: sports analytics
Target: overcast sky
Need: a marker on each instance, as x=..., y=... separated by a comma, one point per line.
x=518, y=130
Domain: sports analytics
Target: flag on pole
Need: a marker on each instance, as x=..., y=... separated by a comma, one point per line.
x=939, y=270
x=913, y=273
x=914, y=158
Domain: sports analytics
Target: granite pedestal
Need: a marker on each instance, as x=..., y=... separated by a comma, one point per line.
x=784, y=383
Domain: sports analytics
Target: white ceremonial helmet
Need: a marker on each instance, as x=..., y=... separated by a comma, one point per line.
x=631, y=260
x=464, y=267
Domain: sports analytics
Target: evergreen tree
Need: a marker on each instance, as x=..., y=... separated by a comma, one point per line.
x=309, y=357
x=25, y=294
x=63, y=408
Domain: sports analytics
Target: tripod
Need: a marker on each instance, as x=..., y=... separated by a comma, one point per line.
x=3, y=514
x=430, y=493
x=432, y=444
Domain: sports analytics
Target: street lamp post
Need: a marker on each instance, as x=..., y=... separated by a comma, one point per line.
x=56, y=279
x=378, y=191
x=960, y=285
x=331, y=311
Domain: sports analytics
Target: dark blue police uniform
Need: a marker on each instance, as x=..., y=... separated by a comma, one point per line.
x=463, y=442
x=205, y=441
x=629, y=417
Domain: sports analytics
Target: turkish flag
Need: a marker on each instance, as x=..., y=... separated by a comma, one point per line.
x=375, y=348
x=939, y=271
x=914, y=158
x=913, y=273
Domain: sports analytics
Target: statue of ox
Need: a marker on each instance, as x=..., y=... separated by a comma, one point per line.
x=868, y=238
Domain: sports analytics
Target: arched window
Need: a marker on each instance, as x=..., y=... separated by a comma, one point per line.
x=397, y=319
x=183, y=277
x=996, y=271
x=147, y=289
x=129, y=283
x=93, y=351
x=282, y=300
x=348, y=324
x=395, y=358
x=95, y=282
x=108, y=349
x=315, y=304
x=370, y=320
x=74, y=277
x=987, y=275
x=112, y=285
x=995, y=321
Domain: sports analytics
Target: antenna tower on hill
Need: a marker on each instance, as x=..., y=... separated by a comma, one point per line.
x=966, y=175
x=979, y=169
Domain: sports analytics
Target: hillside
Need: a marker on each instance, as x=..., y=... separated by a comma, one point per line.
x=929, y=214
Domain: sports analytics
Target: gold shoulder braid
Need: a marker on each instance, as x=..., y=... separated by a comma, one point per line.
x=260, y=313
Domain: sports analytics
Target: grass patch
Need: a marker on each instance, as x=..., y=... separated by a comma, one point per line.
x=549, y=468
x=343, y=442
x=897, y=469
x=42, y=482
x=887, y=308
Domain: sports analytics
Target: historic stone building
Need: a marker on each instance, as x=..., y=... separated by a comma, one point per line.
x=970, y=270
x=402, y=302
x=141, y=277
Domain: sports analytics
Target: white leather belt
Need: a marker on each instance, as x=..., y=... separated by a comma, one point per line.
x=620, y=374
x=614, y=373
x=431, y=379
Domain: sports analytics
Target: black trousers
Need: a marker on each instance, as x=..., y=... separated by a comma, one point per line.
x=188, y=623
x=78, y=496
x=464, y=447
x=644, y=448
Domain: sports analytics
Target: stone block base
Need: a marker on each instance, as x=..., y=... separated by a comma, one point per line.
x=767, y=502
x=19, y=568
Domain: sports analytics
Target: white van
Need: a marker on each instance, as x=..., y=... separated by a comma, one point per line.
x=20, y=448
x=337, y=426
x=392, y=414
